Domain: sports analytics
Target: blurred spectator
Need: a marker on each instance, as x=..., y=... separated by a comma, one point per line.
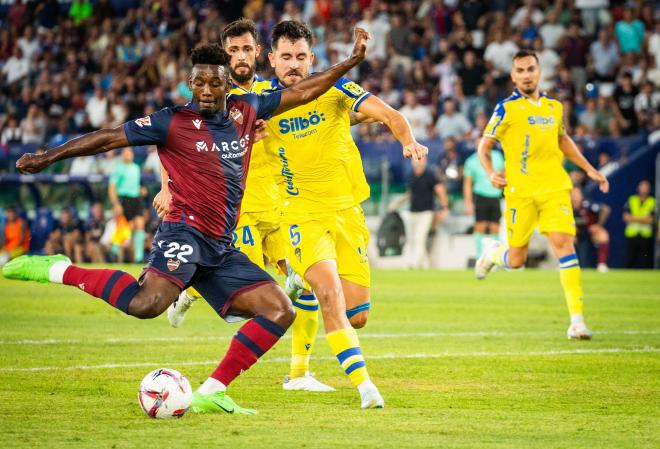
x=654, y=133
x=548, y=62
x=604, y=55
x=389, y=94
x=152, y=162
x=647, y=102
x=606, y=166
x=400, y=45
x=124, y=189
x=527, y=11
x=97, y=108
x=16, y=240
x=604, y=116
x=378, y=29
x=450, y=169
x=107, y=162
x=452, y=124
x=552, y=31
x=629, y=32
x=471, y=74
x=83, y=166
x=499, y=54
x=33, y=127
x=573, y=51
x=29, y=44
x=116, y=238
x=593, y=13
x=419, y=116
x=66, y=238
x=94, y=228
x=589, y=116
x=624, y=104
x=639, y=214
x=17, y=67
x=423, y=186
x=590, y=219
x=12, y=132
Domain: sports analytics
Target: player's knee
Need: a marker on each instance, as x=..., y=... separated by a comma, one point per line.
x=517, y=261
x=146, y=306
x=281, y=311
x=359, y=320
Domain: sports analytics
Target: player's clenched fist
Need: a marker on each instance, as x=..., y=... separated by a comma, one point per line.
x=497, y=179
x=32, y=163
x=415, y=150
x=360, y=47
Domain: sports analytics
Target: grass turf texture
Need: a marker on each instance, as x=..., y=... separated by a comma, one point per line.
x=474, y=365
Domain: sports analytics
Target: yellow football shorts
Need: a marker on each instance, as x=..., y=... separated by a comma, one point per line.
x=552, y=212
x=257, y=235
x=342, y=237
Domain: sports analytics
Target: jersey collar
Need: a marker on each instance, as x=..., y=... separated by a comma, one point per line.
x=517, y=94
x=256, y=79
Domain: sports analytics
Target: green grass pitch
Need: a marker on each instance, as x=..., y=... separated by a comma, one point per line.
x=460, y=363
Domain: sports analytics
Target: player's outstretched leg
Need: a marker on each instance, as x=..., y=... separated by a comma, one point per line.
x=117, y=288
x=341, y=336
x=495, y=254
x=272, y=315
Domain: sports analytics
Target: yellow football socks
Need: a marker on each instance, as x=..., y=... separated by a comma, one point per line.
x=303, y=334
x=345, y=345
x=571, y=281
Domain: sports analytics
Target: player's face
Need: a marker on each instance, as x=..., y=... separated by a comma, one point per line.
x=244, y=52
x=525, y=74
x=209, y=85
x=291, y=61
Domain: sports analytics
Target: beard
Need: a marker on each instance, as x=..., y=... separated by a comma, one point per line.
x=242, y=78
x=529, y=90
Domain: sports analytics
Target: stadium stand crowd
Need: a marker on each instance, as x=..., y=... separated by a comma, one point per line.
x=67, y=68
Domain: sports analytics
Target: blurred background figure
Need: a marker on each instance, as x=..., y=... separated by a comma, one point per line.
x=15, y=238
x=590, y=219
x=639, y=215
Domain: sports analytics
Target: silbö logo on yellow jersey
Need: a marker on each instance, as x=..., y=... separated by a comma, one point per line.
x=301, y=126
x=542, y=122
x=288, y=174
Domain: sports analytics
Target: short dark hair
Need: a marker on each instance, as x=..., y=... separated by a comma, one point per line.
x=291, y=30
x=238, y=28
x=212, y=54
x=524, y=53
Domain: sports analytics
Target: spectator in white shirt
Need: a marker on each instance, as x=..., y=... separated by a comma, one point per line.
x=548, y=62
x=499, y=54
x=152, y=162
x=419, y=116
x=604, y=55
x=646, y=103
x=452, y=124
x=83, y=166
x=29, y=44
x=33, y=126
x=530, y=10
x=378, y=30
x=97, y=108
x=17, y=66
x=552, y=31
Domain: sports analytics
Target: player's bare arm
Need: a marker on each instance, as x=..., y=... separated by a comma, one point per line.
x=376, y=109
x=573, y=154
x=497, y=179
x=314, y=86
x=93, y=143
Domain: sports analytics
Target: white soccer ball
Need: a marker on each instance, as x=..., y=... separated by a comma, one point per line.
x=165, y=393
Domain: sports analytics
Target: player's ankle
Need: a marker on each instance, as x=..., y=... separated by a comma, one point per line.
x=577, y=318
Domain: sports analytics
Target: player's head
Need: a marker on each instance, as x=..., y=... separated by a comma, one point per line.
x=525, y=71
x=209, y=79
x=239, y=39
x=291, y=56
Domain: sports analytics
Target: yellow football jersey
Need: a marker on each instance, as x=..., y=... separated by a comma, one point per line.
x=261, y=192
x=528, y=132
x=320, y=170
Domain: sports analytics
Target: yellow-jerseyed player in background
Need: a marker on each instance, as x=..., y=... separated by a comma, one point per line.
x=257, y=233
x=322, y=183
x=529, y=127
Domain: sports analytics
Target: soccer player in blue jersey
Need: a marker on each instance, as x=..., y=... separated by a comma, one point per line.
x=205, y=146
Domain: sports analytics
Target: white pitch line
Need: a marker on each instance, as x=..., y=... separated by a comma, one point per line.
x=644, y=350
x=211, y=338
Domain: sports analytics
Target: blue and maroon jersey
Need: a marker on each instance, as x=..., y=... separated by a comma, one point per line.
x=207, y=158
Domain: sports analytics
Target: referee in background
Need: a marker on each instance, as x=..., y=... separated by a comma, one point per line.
x=124, y=189
x=482, y=199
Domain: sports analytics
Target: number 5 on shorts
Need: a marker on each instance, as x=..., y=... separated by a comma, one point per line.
x=294, y=234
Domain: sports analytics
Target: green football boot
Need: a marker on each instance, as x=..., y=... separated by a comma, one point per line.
x=31, y=268
x=218, y=401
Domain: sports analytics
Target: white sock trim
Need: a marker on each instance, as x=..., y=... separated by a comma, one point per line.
x=211, y=385
x=56, y=271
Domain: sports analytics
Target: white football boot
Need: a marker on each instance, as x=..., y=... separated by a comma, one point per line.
x=176, y=312
x=370, y=396
x=484, y=264
x=305, y=383
x=578, y=331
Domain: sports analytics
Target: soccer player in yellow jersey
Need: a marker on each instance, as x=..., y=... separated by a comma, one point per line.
x=322, y=183
x=528, y=125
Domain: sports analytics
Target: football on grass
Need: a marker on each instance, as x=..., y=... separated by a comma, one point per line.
x=165, y=393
